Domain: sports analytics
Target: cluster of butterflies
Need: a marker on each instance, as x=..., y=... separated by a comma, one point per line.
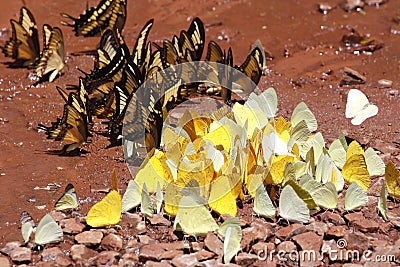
x=212, y=161
x=24, y=48
x=216, y=160
x=48, y=230
x=107, y=90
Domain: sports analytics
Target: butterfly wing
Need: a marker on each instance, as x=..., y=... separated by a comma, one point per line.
x=52, y=57
x=132, y=197
x=48, y=231
x=382, y=205
x=356, y=102
x=23, y=46
x=109, y=14
x=27, y=226
x=292, y=207
x=355, y=197
x=392, y=178
x=368, y=111
x=232, y=240
x=105, y=212
x=140, y=49
x=68, y=200
x=355, y=170
x=262, y=203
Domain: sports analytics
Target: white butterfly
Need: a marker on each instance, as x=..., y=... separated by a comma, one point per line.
x=358, y=107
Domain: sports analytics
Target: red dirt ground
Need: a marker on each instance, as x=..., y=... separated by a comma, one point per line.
x=312, y=73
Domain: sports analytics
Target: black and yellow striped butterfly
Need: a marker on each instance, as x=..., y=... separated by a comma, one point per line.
x=79, y=100
x=23, y=46
x=253, y=65
x=222, y=75
x=188, y=47
x=109, y=14
x=110, y=65
x=52, y=57
x=72, y=127
x=141, y=52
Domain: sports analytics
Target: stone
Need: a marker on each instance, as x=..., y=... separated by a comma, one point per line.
x=261, y=248
x=312, y=260
x=145, y=240
x=57, y=215
x=308, y=241
x=157, y=264
x=150, y=252
x=354, y=216
x=248, y=237
x=209, y=263
x=283, y=232
x=133, y=244
x=334, y=218
x=178, y=245
x=51, y=254
x=395, y=251
x=262, y=229
x=10, y=246
x=197, y=246
x=107, y=258
x=89, y=238
x=297, y=231
x=82, y=253
x=336, y=231
x=214, y=244
x=328, y=246
x=357, y=241
x=111, y=242
x=158, y=219
x=44, y=264
x=184, y=260
x=317, y=227
x=366, y=226
x=72, y=226
x=377, y=264
x=129, y=258
x=204, y=255
x=4, y=262
x=286, y=246
x=63, y=260
x=21, y=254
x=170, y=254
x=245, y=259
x=141, y=227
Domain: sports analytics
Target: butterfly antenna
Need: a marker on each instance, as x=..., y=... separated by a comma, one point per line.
x=23, y=3
x=83, y=72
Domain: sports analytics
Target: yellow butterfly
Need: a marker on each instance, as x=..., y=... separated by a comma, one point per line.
x=106, y=212
x=392, y=177
x=68, y=200
x=355, y=170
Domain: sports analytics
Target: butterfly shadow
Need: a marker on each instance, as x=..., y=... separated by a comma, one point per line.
x=45, y=78
x=64, y=153
x=18, y=64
